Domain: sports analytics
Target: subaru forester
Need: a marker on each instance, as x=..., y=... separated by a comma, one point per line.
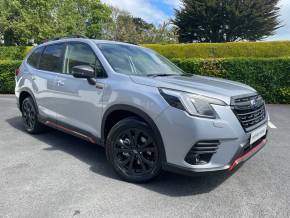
x=147, y=113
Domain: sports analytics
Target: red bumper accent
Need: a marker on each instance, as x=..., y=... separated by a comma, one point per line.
x=248, y=154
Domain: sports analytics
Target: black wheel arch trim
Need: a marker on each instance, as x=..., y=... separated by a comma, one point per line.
x=32, y=96
x=140, y=113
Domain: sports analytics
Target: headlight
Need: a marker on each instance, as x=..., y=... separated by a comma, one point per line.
x=196, y=105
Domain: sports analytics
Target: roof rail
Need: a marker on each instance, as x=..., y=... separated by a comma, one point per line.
x=66, y=37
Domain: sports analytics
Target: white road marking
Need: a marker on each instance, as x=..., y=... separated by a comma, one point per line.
x=271, y=125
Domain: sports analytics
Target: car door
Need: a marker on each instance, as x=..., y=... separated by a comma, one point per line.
x=79, y=104
x=50, y=63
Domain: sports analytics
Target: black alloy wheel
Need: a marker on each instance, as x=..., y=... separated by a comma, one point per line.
x=133, y=151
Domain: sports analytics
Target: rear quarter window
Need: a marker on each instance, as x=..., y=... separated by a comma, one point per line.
x=33, y=59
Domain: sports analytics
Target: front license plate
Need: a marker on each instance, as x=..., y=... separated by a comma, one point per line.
x=257, y=134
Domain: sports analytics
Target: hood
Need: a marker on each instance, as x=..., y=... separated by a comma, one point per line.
x=208, y=86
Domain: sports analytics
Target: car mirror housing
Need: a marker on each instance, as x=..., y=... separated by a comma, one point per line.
x=84, y=72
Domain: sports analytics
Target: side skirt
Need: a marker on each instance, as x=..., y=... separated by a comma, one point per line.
x=72, y=131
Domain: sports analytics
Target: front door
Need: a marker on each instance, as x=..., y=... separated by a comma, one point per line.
x=78, y=103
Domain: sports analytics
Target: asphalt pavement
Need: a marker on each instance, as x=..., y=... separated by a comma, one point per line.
x=58, y=175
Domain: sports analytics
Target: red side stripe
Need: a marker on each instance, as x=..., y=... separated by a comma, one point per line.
x=49, y=123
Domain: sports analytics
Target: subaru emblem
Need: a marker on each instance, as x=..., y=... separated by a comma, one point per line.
x=253, y=102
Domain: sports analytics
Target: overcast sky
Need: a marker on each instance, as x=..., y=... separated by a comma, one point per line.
x=156, y=11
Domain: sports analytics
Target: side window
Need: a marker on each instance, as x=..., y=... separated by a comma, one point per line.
x=80, y=54
x=33, y=59
x=52, y=58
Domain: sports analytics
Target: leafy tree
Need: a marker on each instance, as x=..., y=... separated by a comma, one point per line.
x=25, y=22
x=84, y=17
x=126, y=28
x=21, y=20
x=226, y=20
x=163, y=34
x=141, y=25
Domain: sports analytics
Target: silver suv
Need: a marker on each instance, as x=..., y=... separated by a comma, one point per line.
x=147, y=113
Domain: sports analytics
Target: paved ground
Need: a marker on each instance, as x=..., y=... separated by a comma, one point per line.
x=57, y=175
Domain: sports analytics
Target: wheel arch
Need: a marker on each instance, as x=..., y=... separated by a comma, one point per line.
x=131, y=111
x=24, y=94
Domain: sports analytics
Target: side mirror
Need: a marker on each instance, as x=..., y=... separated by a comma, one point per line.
x=83, y=71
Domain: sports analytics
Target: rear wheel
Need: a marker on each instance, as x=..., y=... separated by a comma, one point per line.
x=133, y=151
x=29, y=116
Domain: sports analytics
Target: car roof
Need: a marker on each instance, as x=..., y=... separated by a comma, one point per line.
x=84, y=40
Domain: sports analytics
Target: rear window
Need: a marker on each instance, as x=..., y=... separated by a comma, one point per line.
x=52, y=58
x=33, y=59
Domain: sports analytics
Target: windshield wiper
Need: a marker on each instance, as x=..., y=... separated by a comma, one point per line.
x=160, y=75
x=187, y=74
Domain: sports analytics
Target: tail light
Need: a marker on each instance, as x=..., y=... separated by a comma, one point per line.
x=17, y=71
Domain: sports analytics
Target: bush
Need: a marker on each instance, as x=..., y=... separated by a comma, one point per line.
x=269, y=76
x=224, y=50
x=13, y=52
x=7, y=76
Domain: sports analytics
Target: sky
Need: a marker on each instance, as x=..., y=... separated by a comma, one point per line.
x=157, y=11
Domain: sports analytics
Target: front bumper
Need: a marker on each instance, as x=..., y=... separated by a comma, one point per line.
x=242, y=157
x=180, y=132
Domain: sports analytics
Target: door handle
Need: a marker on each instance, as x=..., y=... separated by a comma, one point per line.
x=60, y=83
x=99, y=85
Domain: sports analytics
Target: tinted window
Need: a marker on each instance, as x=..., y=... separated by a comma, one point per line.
x=52, y=58
x=80, y=54
x=34, y=57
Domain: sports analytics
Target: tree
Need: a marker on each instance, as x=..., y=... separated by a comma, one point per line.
x=163, y=34
x=24, y=22
x=226, y=20
x=84, y=17
x=126, y=28
x=20, y=20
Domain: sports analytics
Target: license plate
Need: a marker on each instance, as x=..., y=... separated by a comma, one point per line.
x=257, y=134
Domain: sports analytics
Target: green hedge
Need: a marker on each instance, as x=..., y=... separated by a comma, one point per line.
x=224, y=50
x=7, y=76
x=14, y=52
x=269, y=76
x=193, y=50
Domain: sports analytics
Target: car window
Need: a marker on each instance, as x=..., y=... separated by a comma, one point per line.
x=133, y=60
x=119, y=61
x=52, y=58
x=78, y=54
x=33, y=59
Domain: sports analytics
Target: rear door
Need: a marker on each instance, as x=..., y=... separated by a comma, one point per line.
x=49, y=64
x=78, y=103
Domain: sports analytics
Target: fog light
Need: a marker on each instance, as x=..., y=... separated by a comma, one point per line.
x=198, y=160
x=202, y=152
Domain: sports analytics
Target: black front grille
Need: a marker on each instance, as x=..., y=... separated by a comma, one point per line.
x=250, y=111
x=202, y=152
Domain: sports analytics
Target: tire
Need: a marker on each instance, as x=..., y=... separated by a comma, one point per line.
x=134, y=159
x=29, y=117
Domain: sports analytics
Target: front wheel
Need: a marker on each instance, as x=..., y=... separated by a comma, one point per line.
x=133, y=151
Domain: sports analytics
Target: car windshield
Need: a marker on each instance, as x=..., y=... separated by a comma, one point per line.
x=133, y=60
